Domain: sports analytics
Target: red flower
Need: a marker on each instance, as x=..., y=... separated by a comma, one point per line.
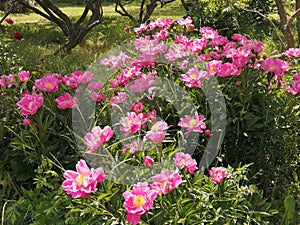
x=9, y=20
x=18, y=35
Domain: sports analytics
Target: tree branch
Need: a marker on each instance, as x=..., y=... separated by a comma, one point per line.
x=294, y=16
x=124, y=13
x=270, y=21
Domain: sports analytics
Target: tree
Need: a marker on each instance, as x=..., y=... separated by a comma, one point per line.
x=74, y=31
x=146, y=9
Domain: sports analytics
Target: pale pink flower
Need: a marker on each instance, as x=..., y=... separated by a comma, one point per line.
x=97, y=97
x=185, y=161
x=148, y=161
x=193, y=77
x=95, y=86
x=157, y=132
x=175, y=52
x=295, y=87
x=160, y=35
x=193, y=124
x=132, y=122
x=165, y=182
x=66, y=101
x=140, y=29
x=142, y=84
x=292, y=52
x=8, y=80
x=24, y=75
x=133, y=147
x=119, y=98
x=196, y=45
x=208, y=32
x=30, y=104
x=86, y=77
x=98, y=137
x=187, y=22
x=138, y=201
x=83, y=181
x=218, y=174
x=48, y=84
x=27, y=122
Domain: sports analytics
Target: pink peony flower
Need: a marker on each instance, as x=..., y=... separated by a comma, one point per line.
x=138, y=201
x=18, y=35
x=142, y=84
x=27, y=122
x=165, y=182
x=208, y=32
x=185, y=161
x=157, y=132
x=207, y=132
x=9, y=20
x=292, y=52
x=119, y=98
x=48, y=84
x=30, y=104
x=193, y=77
x=148, y=161
x=97, y=97
x=132, y=122
x=97, y=137
x=276, y=66
x=133, y=147
x=73, y=80
x=95, y=86
x=137, y=107
x=193, y=124
x=213, y=66
x=24, y=75
x=8, y=80
x=83, y=181
x=66, y=101
x=187, y=22
x=86, y=77
x=295, y=87
x=218, y=174
x=228, y=69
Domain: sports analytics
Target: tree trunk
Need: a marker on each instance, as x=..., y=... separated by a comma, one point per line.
x=286, y=30
x=298, y=21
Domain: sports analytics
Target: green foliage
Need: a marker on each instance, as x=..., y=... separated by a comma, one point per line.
x=228, y=18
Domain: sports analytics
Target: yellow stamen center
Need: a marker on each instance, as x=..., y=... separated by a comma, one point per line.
x=80, y=179
x=139, y=200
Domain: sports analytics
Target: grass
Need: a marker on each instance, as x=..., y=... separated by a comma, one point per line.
x=42, y=38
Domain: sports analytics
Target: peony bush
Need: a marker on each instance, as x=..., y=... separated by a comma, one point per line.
x=135, y=123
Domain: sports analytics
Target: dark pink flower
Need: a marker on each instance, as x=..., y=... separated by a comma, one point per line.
x=18, y=35
x=185, y=161
x=30, y=104
x=165, y=182
x=24, y=75
x=132, y=122
x=9, y=20
x=217, y=174
x=66, y=101
x=193, y=124
x=27, y=122
x=95, y=86
x=97, y=97
x=157, y=132
x=148, y=161
x=97, y=137
x=293, y=52
x=138, y=201
x=48, y=84
x=83, y=181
